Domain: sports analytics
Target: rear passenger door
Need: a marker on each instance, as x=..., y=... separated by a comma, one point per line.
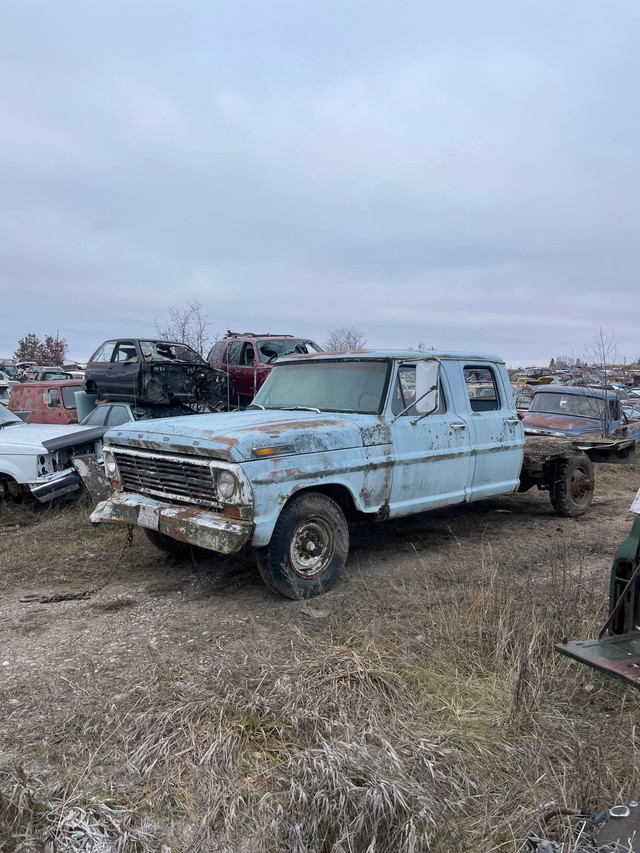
x=496, y=431
x=240, y=363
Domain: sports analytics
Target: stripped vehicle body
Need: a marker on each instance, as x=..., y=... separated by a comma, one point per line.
x=154, y=372
x=329, y=438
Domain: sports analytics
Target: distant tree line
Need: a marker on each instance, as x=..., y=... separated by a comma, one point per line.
x=53, y=350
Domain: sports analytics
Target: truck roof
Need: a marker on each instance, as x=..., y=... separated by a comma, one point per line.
x=581, y=390
x=409, y=355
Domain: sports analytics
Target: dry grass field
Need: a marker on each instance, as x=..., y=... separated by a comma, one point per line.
x=150, y=704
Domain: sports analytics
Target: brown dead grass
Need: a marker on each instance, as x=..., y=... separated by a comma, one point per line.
x=419, y=706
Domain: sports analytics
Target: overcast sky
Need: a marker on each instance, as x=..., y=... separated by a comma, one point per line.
x=462, y=173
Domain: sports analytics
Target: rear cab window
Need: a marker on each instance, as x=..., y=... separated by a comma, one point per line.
x=482, y=388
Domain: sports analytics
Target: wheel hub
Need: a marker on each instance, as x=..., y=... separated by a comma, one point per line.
x=581, y=485
x=310, y=548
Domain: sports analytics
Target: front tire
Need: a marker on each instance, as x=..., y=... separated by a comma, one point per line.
x=166, y=543
x=308, y=548
x=572, y=490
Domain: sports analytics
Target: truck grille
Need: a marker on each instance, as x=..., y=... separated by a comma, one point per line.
x=174, y=477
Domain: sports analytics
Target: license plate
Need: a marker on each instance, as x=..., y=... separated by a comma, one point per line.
x=148, y=517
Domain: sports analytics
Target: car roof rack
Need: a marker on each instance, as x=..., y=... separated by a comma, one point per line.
x=231, y=334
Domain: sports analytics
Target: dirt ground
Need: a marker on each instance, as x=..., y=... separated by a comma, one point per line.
x=88, y=621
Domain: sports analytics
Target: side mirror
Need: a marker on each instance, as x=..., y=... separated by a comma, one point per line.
x=427, y=383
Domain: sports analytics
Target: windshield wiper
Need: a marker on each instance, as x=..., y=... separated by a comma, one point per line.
x=301, y=409
x=256, y=406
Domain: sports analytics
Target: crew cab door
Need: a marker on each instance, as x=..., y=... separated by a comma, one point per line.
x=496, y=430
x=432, y=456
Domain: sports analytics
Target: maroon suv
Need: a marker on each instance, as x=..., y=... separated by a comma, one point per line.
x=248, y=358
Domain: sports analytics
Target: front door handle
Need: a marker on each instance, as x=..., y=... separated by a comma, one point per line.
x=458, y=425
x=512, y=420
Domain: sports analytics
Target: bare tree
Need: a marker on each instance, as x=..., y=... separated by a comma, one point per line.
x=603, y=355
x=188, y=325
x=345, y=338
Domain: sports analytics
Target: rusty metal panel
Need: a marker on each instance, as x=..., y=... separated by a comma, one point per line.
x=93, y=476
x=618, y=656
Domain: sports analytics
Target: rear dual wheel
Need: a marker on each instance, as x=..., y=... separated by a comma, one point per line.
x=308, y=547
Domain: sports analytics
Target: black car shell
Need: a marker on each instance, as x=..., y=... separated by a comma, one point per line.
x=154, y=372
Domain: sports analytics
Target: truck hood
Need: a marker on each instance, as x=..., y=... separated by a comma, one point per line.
x=235, y=436
x=539, y=423
x=44, y=438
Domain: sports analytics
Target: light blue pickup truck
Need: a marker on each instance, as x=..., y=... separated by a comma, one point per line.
x=335, y=437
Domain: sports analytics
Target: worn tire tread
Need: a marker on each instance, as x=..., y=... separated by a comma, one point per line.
x=272, y=559
x=561, y=497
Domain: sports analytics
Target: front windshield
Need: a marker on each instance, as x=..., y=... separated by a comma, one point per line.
x=7, y=417
x=169, y=351
x=576, y=405
x=331, y=386
x=272, y=349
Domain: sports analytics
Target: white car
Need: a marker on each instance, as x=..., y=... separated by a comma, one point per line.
x=36, y=459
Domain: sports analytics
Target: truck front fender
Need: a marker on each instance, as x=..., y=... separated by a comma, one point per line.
x=364, y=473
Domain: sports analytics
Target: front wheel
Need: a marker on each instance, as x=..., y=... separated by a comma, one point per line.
x=573, y=484
x=166, y=543
x=308, y=547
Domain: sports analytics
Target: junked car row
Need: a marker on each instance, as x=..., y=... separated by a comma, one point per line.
x=137, y=379
x=125, y=379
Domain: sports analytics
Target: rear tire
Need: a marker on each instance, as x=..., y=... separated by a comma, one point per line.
x=166, y=543
x=573, y=485
x=308, y=548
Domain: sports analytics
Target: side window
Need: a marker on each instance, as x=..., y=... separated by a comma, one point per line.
x=54, y=397
x=118, y=415
x=96, y=418
x=233, y=353
x=125, y=351
x=482, y=388
x=216, y=352
x=248, y=355
x=404, y=393
x=104, y=353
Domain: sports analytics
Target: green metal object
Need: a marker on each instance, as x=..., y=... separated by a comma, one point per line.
x=625, y=562
x=619, y=653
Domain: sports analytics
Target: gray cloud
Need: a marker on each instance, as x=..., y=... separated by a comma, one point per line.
x=467, y=176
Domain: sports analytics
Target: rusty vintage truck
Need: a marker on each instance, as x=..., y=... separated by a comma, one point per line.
x=580, y=412
x=331, y=438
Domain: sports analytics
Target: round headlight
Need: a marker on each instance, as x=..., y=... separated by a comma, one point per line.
x=110, y=466
x=227, y=484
